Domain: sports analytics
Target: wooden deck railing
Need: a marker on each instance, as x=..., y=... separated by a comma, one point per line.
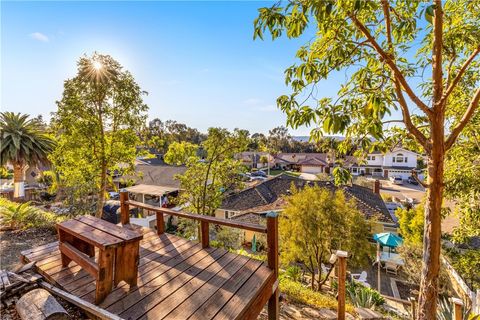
x=271, y=230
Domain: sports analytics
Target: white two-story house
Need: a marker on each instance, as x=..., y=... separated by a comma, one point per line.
x=399, y=163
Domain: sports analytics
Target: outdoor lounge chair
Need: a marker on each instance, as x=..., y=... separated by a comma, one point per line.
x=361, y=278
x=391, y=268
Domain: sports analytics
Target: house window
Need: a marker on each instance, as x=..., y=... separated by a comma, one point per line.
x=227, y=214
x=399, y=158
x=354, y=170
x=368, y=158
x=373, y=158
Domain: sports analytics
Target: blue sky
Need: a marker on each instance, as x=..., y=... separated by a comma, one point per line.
x=197, y=60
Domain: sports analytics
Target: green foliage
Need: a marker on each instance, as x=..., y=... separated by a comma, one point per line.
x=96, y=122
x=180, y=152
x=294, y=273
x=226, y=237
x=467, y=264
x=316, y=221
x=23, y=140
x=24, y=215
x=364, y=297
x=5, y=174
x=296, y=292
x=341, y=176
x=411, y=223
x=206, y=180
x=160, y=135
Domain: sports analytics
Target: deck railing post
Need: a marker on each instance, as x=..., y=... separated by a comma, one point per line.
x=272, y=244
x=124, y=207
x=413, y=311
x=342, y=275
x=457, y=311
x=204, y=236
x=160, y=223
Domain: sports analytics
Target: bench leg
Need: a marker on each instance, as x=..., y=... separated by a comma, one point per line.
x=126, y=263
x=105, y=274
x=64, y=237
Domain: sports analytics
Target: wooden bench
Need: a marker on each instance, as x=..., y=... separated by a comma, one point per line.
x=118, y=251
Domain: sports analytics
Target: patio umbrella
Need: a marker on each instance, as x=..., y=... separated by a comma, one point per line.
x=388, y=239
x=254, y=244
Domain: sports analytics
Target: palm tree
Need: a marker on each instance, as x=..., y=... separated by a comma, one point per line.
x=22, y=142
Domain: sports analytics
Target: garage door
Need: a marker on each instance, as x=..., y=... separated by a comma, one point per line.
x=404, y=174
x=311, y=169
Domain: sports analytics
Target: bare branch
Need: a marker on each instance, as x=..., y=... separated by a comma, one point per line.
x=388, y=60
x=457, y=78
x=464, y=120
x=415, y=176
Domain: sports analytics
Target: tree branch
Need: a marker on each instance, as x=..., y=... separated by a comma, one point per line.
x=457, y=78
x=464, y=120
x=437, y=71
x=388, y=60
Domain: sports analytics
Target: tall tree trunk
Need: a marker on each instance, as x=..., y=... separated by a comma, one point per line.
x=102, y=191
x=432, y=230
x=18, y=182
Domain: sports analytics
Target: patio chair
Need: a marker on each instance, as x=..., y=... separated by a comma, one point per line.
x=391, y=268
x=361, y=278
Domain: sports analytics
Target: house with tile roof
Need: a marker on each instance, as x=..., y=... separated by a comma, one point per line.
x=252, y=204
x=304, y=162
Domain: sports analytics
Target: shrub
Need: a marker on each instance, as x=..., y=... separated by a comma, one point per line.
x=23, y=215
x=296, y=292
x=294, y=273
x=364, y=297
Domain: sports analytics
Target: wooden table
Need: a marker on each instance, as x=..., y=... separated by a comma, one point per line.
x=118, y=251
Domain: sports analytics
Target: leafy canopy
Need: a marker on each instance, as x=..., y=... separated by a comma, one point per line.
x=23, y=140
x=316, y=221
x=96, y=122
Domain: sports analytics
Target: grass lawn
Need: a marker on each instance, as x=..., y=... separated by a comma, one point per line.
x=277, y=172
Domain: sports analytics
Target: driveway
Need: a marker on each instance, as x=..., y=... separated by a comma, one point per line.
x=402, y=192
x=308, y=176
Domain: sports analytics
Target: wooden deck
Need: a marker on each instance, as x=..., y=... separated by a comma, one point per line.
x=177, y=279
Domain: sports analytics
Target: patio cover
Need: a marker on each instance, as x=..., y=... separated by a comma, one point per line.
x=388, y=239
x=151, y=190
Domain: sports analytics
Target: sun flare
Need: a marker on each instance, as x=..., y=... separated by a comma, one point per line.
x=97, y=65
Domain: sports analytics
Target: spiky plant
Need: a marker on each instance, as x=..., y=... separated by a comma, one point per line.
x=22, y=142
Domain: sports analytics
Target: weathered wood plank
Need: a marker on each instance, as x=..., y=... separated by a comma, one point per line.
x=80, y=258
x=210, y=308
x=89, y=234
x=171, y=281
x=123, y=233
x=185, y=302
x=39, y=304
x=82, y=304
x=147, y=263
x=245, y=295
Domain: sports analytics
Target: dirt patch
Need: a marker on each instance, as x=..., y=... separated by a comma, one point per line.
x=13, y=242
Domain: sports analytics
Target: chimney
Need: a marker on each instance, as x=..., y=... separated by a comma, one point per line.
x=376, y=187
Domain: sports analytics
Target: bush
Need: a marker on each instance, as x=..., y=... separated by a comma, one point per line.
x=23, y=215
x=364, y=297
x=296, y=292
x=294, y=273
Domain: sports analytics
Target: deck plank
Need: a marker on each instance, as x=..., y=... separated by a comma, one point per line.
x=216, y=302
x=162, y=286
x=189, y=298
x=177, y=279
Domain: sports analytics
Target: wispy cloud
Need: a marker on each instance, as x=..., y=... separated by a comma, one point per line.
x=39, y=36
x=259, y=105
x=268, y=108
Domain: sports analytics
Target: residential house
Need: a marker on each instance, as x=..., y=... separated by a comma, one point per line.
x=251, y=204
x=399, y=163
x=304, y=162
x=253, y=159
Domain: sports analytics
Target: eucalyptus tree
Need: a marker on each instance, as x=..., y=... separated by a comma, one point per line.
x=96, y=122
x=23, y=142
x=420, y=58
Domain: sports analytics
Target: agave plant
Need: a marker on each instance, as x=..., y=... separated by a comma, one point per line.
x=16, y=215
x=364, y=297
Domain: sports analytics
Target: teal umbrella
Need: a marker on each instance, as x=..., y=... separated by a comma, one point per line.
x=254, y=244
x=388, y=239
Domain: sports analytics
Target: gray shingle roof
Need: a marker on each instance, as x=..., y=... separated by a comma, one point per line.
x=268, y=195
